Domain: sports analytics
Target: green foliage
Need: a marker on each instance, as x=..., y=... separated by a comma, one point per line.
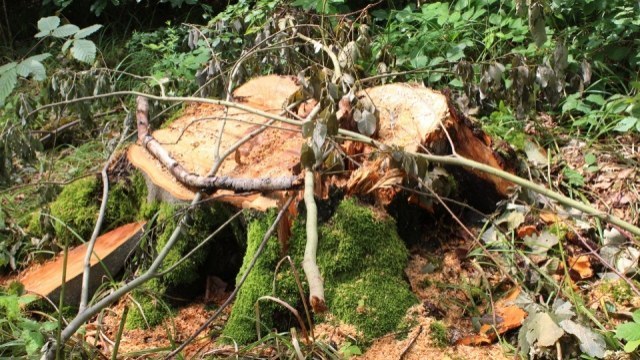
x=21, y=336
x=439, y=334
x=630, y=332
x=322, y=7
x=81, y=49
x=98, y=6
x=163, y=55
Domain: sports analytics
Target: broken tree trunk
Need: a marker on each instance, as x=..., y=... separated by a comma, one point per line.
x=417, y=119
x=111, y=249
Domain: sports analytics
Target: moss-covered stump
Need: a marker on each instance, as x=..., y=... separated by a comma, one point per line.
x=361, y=258
x=184, y=278
x=75, y=210
x=241, y=326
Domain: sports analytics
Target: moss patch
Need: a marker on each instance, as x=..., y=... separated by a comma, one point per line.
x=78, y=205
x=146, y=309
x=361, y=258
x=76, y=209
x=241, y=326
x=182, y=280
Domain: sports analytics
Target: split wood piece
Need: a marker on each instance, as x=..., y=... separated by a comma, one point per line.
x=192, y=143
x=111, y=248
x=412, y=117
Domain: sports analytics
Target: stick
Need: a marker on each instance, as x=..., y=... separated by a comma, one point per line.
x=309, y=265
x=84, y=294
x=208, y=184
x=350, y=135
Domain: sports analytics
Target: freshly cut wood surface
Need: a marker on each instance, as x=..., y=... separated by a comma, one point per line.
x=192, y=141
x=414, y=118
x=408, y=113
x=110, y=248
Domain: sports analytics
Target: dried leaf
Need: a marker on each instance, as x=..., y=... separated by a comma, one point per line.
x=549, y=217
x=581, y=265
x=541, y=330
x=591, y=343
x=526, y=230
x=540, y=244
x=536, y=22
x=535, y=154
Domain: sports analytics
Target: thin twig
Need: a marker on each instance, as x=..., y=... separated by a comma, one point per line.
x=84, y=294
x=410, y=344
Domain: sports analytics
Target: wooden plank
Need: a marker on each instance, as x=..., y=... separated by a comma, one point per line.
x=112, y=248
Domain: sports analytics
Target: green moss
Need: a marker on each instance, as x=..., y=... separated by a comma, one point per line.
x=76, y=208
x=78, y=205
x=439, y=334
x=361, y=258
x=374, y=303
x=203, y=221
x=356, y=241
x=241, y=326
x=146, y=309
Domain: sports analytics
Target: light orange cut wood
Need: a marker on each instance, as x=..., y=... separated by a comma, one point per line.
x=111, y=248
x=418, y=119
x=192, y=141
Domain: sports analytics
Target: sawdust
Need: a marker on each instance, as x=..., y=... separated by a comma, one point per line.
x=176, y=329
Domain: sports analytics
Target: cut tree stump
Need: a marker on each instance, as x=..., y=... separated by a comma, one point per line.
x=411, y=117
x=192, y=141
x=111, y=248
x=419, y=119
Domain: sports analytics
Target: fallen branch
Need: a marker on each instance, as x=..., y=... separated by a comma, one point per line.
x=350, y=135
x=207, y=184
x=309, y=265
x=84, y=294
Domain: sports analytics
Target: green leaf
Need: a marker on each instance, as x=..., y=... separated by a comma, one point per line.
x=66, y=45
x=628, y=331
x=31, y=67
x=596, y=99
x=6, y=67
x=47, y=24
x=65, y=31
x=8, y=81
x=636, y=316
x=573, y=177
x=631, y=346
x=83, y=33
x=33, y=340
x=84, y=50
x=626, y=124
